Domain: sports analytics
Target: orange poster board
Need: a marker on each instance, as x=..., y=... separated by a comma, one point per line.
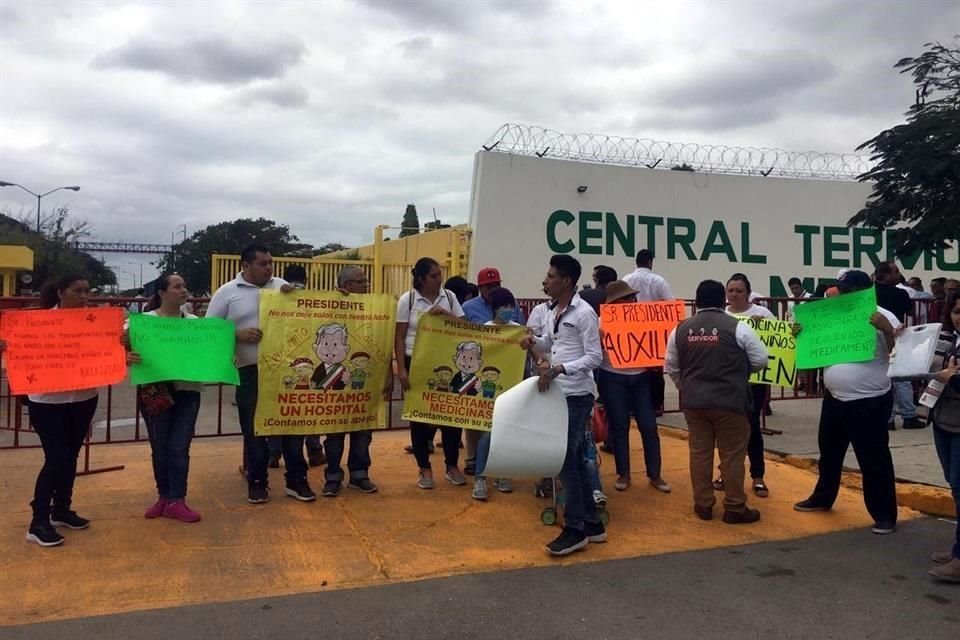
x=635, y=334
x=63, y=349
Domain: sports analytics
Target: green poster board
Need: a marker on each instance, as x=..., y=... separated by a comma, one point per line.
x=188, y=349
x=836, y=330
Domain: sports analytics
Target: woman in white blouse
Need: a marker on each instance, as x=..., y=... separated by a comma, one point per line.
x=170, y=410
x=427, y=296
x=738, y=304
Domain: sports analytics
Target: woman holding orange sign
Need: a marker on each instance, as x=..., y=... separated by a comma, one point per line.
x=61, y=421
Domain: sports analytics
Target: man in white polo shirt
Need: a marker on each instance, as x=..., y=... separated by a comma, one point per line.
x=572, y=340
x=855, y=410
x=239, y=302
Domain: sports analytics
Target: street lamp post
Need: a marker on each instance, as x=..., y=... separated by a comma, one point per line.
x=38, y=196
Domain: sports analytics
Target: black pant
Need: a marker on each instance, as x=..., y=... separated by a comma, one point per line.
x=62, y=429
x=758, y=465
x=658, y=388
x=862, y=423
x=421, y=435
x=256, y=446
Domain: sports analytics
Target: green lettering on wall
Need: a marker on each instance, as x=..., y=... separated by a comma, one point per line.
x=557, y=218
x=651, y=222
x=590, y=229
x=807, y=231
x=943, y=264
x=870, y=249
x=718, y=241
x=624, y=236
x=745, y=255
x=832, y=246
x=683, y=240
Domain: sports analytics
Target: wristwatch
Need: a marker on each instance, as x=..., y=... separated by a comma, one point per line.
x=554, y=372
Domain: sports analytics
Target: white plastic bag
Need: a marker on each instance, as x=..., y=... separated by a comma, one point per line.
x=529, y=434
x=913, y=352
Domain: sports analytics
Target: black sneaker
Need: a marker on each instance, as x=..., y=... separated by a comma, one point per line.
x=363, y=484
x=884, y=528
x=914, y=423
x=747, y=516
x=567, y=542
x=300, y=491
x=594, y=531
x=44, y=535
x=274, y=461
x=258, y=493
x=809, y=505
x=69, y=519
x=331, y=489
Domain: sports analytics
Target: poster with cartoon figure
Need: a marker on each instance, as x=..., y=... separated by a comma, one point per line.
x=323, y=362
x=458, y=369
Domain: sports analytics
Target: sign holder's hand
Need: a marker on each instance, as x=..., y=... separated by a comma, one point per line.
x=250, y=335
x=547, y=376
x=951, y=370
x=133, y=358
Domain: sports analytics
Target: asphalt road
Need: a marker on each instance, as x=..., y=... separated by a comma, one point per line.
x=847, y=585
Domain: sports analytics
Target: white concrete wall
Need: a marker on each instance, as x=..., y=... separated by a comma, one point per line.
x=525, y=209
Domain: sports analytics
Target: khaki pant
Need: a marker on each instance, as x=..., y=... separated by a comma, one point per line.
x=729, y=432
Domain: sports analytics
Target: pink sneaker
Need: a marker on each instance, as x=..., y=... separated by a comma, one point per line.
x=157, y=509
x=179, y=510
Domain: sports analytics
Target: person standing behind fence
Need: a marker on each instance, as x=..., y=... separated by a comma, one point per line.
x=170, y=410
x=61, y=421
x=351, y=279
x=856, y=405
x=239, y=302
x=427, y=296
x=710, y=358
x=572, y=339
x=738, y=299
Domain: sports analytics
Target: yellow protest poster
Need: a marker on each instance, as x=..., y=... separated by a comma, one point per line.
x=778, y=337
x=459, y=368
x=323, y=362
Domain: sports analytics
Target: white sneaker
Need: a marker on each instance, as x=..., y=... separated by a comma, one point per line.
x=480, y=489
x=503, y=485
x=599, y=498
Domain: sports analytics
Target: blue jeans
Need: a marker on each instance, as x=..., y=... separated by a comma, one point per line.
x=948, y=449
x=903, y=396
x=625, y=395
x=171, y=432
x=358, y=459
x=483, y=453
x=256, y=446
x=575, y=475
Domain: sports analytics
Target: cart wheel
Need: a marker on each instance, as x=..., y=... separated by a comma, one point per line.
x=548, y=516
x=604, y=517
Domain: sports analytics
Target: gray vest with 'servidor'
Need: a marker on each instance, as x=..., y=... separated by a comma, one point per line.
x=714, y=368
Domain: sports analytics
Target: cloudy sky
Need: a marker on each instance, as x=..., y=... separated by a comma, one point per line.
x=330, y=116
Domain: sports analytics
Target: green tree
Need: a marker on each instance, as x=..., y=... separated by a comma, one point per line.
x=330, y=247
x=54, y=254
x=435, y=225
x=411, y=222
x=192, y=257
x=916, y=180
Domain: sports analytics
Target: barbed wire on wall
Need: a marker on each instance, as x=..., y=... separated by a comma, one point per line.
x=531, y=140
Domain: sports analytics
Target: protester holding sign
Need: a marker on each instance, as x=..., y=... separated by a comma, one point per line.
x=61, y=420
x=170, y=409
x=426, y=297
x=738, y=304
x=239, y=301
x=945, y=416
x=572, y=340
x=856, y=403
x=710, y=357
x=626, y=392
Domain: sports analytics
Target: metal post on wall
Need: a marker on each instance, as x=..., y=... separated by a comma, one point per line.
x=378, y=259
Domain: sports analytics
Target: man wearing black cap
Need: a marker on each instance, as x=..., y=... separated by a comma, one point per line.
x=856, y=405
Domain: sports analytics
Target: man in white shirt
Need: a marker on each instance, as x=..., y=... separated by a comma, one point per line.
x=572, y=338
x=239, y=301
x=855, y=410
x=650, y=287
x=710, y=358
x=796, y=291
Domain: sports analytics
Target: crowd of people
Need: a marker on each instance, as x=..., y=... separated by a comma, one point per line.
x=710, y=357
